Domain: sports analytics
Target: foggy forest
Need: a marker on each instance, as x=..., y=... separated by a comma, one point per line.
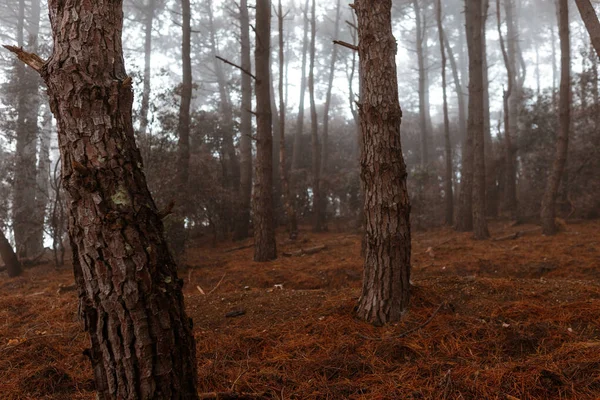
x=299, y=199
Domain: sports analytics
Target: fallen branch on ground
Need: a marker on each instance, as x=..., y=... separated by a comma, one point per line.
x=516, y=235
x=230, y=396
x=302, y=252
x=246, y=246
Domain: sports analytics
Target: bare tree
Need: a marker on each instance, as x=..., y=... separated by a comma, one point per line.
x=290, y=210
x=264, y=231
x=131, y=300
x=385, y=292
x=548, y=212
x=474, y=18
x=448, y=191
x=243, y=218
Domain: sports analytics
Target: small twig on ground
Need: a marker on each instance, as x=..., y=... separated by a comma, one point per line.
x=218, y=284
x=404, y=334
x=301, y=252
x=246, y=246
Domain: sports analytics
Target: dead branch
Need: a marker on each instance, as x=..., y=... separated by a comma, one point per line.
x=515, y=235
x=230, y=396
x=302, y=252
x=345, y=44
x=246, y=246
x=31, y=59
x=218, y=284
x=238, y=67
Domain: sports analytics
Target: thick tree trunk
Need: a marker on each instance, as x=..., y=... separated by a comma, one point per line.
x=590, y=19
x=314, y=129
x=243, y=218
x=290, y=210
x=130, y=296
x=300, y=121
x=27, y=227
x=548, y=213
x=473, y=12
x=448, y=190
x=386, y=287
x=8, y=256
x=264, y=232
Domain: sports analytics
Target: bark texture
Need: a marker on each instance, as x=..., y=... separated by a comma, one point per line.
x=548, y=213
x=385, y=292
x=130, y=296
x=473, y=12
x=8, y=256
x=264, y=232
x=243, y=219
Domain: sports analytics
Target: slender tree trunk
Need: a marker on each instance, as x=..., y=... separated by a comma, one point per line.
x=27, y=227
x=264, y=232
x=548, y=213
x=179, y=235
x=285, y=185
x=314, y=129
x=473, y=12
x=243, y=219
x=325, y=135
x=423, y=109
x=595, y=94
x=130, y=296
x=149, y=10
x=554, y=69
x=43, y=176
x=8, y=256
x=448, y=191
x=460, y=98
x=491, y=188
x=232, y=163
x=386, y=287
x=300, y=121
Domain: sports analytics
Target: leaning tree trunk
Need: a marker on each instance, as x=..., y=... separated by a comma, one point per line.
x=473, y=12
x=264, y=232
x=548, y=213
x=385, y=292
x=448, y=191
x=8, y=256
x=242, y=225
x=590, y=19
x=131, y=302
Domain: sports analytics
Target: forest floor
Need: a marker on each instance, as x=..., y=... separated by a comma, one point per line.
x=512, y=319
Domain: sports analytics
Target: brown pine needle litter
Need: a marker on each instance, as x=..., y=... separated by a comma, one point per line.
x=510, y=319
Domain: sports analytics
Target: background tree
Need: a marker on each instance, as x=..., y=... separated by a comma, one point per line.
x=264, y=231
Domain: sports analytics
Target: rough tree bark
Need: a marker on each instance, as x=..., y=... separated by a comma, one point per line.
x=386, y=287
x=264, y=232
x=290, y=210
x=548, y=212
x=142, y=346
x=243, y=219
x=449, y=193
x=314, y=128
x=8, y=256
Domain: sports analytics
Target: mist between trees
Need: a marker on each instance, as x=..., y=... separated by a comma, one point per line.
x=251, y=117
